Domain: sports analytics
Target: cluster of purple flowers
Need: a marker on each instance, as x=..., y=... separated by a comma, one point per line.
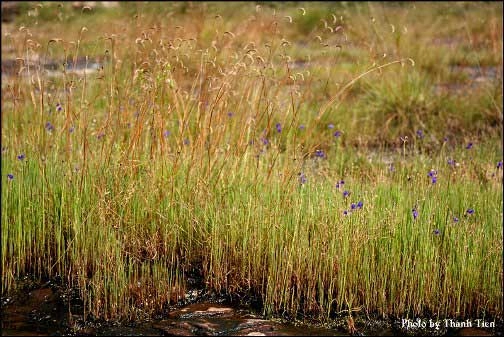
x=319, y=154
x=340, y=183
x=49, y=127
x=433, y=175
x=354, y=207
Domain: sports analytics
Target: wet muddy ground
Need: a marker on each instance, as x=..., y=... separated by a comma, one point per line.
x=51, y=309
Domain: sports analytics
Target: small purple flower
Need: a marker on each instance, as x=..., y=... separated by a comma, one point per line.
x=230, y=114
x=10, y=176
x=302, y=179
x=452, y=162
x=49, y=127
x=264, y=141
x=72, y=129
x=391, y=168
x=436, y=232
x=455, y=219
x=340, y=183
x=353, y=206
x=166, y=133
x=434, y=179
x=319, y=153
x=278, y=127
x=360, y=204
x=432, y=173
x=499, y=165
x=100, y=135
x=445, y=139
x=420, y=134
x=330, y=126
x=59, y=107
x=302, y=127
x=21, y=156
x=415, y=213
x=345, y=212
x=470, y=211
x=346, y=194
x=337, y=134
x=469, y=146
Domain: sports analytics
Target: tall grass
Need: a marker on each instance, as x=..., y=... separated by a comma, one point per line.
x=186, y=152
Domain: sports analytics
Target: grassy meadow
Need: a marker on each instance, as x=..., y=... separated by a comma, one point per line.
x=328, y=158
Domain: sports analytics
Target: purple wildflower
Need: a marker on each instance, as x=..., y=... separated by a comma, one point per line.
x=415, y=213
x=72, y=129
x=339, y=183
x=432, y=173
x=391, y=168
x=166, y=133
x=455, y=219
x=319, y=153
x=230, y=114
x=302, y=178
x=434, y=179
x=337, y=134
x=353, y=206
x=100, y=135
x=49, y=127
x=330, y=126
x=59, y=107
x=346, y=194
x=345, y=212
x=420, y=134
x=470, y=211
x=278, y=127
x=302, y=127
x=10, y=176
x=452, y=162
x=264, y=141
x=360, y=204
x=21, y=156
x=436, y=231
x=445, y=139
x=469, y=146
x=499, y=164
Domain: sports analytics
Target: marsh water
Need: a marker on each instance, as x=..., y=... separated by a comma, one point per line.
x=50, y=309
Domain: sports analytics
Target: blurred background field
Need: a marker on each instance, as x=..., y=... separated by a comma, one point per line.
x=145, y=142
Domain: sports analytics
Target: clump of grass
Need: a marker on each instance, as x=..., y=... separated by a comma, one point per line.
x=185, y=150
